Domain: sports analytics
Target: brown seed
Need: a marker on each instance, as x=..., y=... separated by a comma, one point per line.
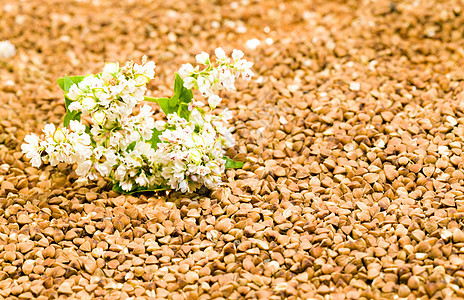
x=373, y=273
x=90, y=265
x=85, y=246
x=90, y=196
x=418, y=235
x=279, y=171
x=458, y=236
x=423, y=247
x=49, y=252
x=371, y=177
x=273, y=266
x=7, y=186
x=25, y=247
x=403, y=160
x=9, y=256
x=65, y=288
x=413, y=282
x=225, y=225
x=390, y=172
x=431, y=288
x=28, y=265
x=193, y=213
x=191, y=277
x=24, y=219
x=404, y=291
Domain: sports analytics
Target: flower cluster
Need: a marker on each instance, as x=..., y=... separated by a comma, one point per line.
x=7, y=50
x=58, y=145
x=137, y=153
x=112, y=94
x=212, y=79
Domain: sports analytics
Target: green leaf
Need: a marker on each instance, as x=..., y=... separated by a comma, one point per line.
x=173, y=102
x=232, y=164
x=186, y=96
x=67, y=82
x=178, y=87
x=185, y=113
x=164, y=104
x=138, y=189
x=155, y=138
x=178, y=102
x=131, y=146
x=178, y=84
x=71, y=115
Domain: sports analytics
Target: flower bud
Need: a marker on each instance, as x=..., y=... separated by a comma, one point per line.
x=195, y=156
x=59, y=135
x=141, y=79
x=99, y=117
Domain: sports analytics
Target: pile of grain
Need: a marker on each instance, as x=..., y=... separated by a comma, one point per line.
x=352, y=132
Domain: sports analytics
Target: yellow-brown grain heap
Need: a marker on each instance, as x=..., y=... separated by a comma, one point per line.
x=352, y=131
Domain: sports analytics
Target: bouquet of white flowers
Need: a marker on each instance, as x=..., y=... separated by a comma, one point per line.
x=103, y=136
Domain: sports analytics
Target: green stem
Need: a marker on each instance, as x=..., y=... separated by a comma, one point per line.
x=151, y=99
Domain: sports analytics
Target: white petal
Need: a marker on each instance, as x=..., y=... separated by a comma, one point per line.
x=220, y=54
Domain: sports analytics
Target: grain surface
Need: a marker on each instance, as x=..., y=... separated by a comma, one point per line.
x=352, y=132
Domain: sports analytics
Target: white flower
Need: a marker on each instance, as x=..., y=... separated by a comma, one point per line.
x=75, y=106
x=253, y=43
x=142, y=180
x=147, y=69
x=89, y=103
x=186, y=70
x=225, y=115
x=220, y=54
x=189, y=82
x=104, y=169
x=7, y=50
x=244, y=68
x=202, y=58
x=160, y=125
x=109, y=71
x=49, y=130
x=83, y=168
x=32, y=149
x=196, y=118
x=237, y=55
x=213, y=101
x=59, y=135
x=74, y=93
x=195, y=155
x=183, y=186
x=203, y=84
x=126, y=185
x=76, y=126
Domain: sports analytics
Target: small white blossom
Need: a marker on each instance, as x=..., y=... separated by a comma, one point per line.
x=237, y=55
x=220, y=54
x=186, y=70
x=32, y=149
x=189, y=82
x=202, y=58
x=213, y=101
